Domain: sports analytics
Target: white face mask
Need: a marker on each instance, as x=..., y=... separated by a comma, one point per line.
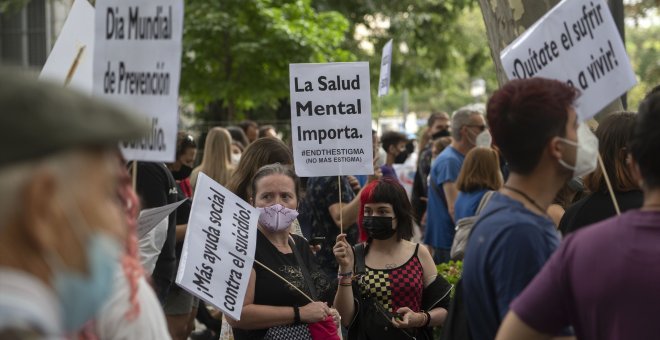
x=235, y=158
x=587, y=152
x=484, y=139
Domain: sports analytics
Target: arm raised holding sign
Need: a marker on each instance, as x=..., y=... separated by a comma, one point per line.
x=272, y=304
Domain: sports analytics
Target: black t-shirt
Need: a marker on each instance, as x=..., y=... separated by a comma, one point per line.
x=596, y=207
x=270, y=290
x=156, y=188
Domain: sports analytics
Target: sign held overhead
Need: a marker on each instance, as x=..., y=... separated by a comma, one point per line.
x=137, y=63
x=331, y=119
x=577, y=42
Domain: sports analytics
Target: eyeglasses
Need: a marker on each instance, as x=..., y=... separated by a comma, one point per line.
x=481, y=127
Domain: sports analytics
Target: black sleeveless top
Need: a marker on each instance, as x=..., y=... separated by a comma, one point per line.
x=272, y=291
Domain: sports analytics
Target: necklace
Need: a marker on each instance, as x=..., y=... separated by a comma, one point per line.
x=524, y=195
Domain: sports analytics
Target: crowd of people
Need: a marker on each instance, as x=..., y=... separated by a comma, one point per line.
x=553, y=245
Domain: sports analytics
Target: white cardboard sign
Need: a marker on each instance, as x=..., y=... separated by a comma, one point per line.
x=137, y=63
x=385, y=68
x=576, y=42
x=331, y=119
x=218, y=251
x=76, y=37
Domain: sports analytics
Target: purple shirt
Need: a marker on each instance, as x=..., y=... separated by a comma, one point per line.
x=604, y=280
x=388, y=171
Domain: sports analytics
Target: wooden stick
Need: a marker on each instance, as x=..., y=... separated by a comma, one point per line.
x=283, y=279
x=609, y=185
x=341, y=210
x=74, y=66
x=134, y=170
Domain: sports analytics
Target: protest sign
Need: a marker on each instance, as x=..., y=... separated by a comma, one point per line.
x=218, y=251
x=331, y=119
x=73, y=50
x=137, y=62
x=149, y=218
x=576, y=42
x=385, y=67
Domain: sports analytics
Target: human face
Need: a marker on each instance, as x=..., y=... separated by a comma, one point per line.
x=381, y=210
x=376, y=144
x=88, y=206
x=252, y=133
x=235, y=150
x=570, y=154
x=439, y=125
x=275, y=189
x=476, y=125
x=397, y=149
x=270, y=133
x=188, y=157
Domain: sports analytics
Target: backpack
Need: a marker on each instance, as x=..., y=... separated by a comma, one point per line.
x=464, y=227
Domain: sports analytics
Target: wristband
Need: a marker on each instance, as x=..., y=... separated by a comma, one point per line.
x=296, y=314
x=428, y=318
x=346, y=274
x=345, y=284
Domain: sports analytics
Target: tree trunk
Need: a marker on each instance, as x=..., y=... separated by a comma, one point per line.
x=505, y=20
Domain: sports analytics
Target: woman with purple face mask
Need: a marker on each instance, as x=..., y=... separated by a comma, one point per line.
x=272, y=306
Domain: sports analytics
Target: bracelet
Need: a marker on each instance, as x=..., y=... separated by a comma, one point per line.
x=296, y=314
x=346, y=274
x=428, y=318
x=345, y=284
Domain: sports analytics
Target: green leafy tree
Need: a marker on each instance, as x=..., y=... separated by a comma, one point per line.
x=643, y=49
x=237, y=52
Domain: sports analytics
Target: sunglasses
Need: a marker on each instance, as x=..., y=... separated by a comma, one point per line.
x=481, y=127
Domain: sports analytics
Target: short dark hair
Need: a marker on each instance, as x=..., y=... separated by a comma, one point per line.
x=388, y=190
x=435, y=116
x=238, y=135
x=392, y=138
x=646, y=140
x=247, y=124
x=184, y=141
x=275, y=169
x=524, y=115
x=615, y=132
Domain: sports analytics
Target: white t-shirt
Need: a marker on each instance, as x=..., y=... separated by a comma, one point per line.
x=111, y=323
x=151, y=244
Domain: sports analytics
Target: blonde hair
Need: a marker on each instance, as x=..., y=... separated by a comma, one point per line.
x=216, y=162
x=480, y=170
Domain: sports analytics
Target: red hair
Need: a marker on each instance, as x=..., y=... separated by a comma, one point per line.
x=524, y=114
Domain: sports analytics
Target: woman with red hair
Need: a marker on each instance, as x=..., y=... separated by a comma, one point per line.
x=388, y=285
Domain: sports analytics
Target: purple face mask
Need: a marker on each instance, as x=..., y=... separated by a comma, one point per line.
x=276, y=217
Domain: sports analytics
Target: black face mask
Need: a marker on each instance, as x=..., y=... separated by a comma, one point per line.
x=441, y=133
x=378, y=227
x=183, y=173
x=401, y=157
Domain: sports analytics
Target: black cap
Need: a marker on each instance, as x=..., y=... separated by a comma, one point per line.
x=39, y=118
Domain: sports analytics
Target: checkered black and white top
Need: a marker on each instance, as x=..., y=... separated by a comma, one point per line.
x=397, y=287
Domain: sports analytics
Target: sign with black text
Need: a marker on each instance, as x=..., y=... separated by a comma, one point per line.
x=576, y=42
x=137, y=63
x=385, y=68
x=218, y=251
x=331, y=119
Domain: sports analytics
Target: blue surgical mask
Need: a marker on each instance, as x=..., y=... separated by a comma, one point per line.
x=80, y=295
